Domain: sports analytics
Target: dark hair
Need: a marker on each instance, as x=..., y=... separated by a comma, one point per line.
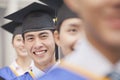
x=13, y=38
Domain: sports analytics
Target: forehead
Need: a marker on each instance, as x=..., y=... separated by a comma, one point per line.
x=38, y=32
x=71, y=22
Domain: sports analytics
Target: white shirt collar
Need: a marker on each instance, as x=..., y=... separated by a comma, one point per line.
x=89, y=58
x=18, y=70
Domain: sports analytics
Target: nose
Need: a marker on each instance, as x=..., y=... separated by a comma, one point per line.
x=38, y=44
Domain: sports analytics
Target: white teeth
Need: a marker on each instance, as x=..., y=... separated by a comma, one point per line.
x=40, y=52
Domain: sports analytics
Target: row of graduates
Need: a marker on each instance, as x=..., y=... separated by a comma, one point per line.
x=33, y=28
x=90, y=53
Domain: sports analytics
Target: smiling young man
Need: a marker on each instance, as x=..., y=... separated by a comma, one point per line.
x=37, y=32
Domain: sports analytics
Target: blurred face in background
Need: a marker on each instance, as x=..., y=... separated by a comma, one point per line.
x=40, y=46
x=19, y=45
x=70, y=32
x=102, y=20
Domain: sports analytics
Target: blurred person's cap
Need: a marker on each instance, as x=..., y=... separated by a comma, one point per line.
x=63, y=14
x=13, y=27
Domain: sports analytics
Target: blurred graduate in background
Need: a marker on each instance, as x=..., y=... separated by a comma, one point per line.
x=23, y=62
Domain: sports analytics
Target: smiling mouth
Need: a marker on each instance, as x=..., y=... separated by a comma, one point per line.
x=24, y=50
x=40, y=52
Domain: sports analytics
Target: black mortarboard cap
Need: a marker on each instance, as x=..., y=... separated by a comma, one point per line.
x=20, y=15
x=55, y=4
x=13, y=27
x=37, y=21
x=64, y=13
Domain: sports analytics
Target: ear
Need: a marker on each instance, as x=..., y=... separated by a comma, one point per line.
x=72, y=4
x=56, y=37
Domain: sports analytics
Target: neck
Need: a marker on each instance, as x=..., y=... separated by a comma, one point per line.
x=24, y=63
x=46, y=65
x=111, y=54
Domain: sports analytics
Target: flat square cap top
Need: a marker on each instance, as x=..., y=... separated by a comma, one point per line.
x=21, y=14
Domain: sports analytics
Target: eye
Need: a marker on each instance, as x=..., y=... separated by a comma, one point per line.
x=19, y=39
x=29, y=39
x=44, y=36
x=72, y=30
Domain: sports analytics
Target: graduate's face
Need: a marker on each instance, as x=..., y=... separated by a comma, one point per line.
x=102, y=19
x=40, y=46
x=19, y=45
x=70, y=32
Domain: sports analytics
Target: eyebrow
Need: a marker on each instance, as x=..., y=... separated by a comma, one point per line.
x=43, y=33
x=29, y=35
x=74, y=25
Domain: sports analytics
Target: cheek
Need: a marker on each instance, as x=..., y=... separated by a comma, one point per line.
x=50, y=43
x=16, y=44
x=93, y=19
x=67, y=41
x=63, y=40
